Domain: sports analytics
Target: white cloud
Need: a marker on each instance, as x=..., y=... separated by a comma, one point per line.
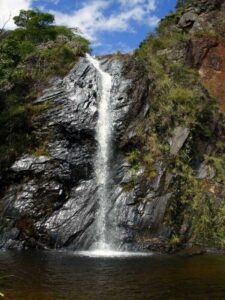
x=121, y=21
x=55, y=2
x=150, y=5
x=112, y=48
x=11, y=8
x=153, y=21
x=92, y=18
x=86, y=18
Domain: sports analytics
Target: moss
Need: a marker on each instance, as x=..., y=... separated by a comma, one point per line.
x=133, y=156
x=42, y=150
x=128, y=187
x=149, y=163
x=39, y=149
x=181, y=94
x=219, y=164
x=196, y=202
x=36, y=109
x=178, y=99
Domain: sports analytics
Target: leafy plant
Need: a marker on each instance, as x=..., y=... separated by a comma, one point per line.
x=29, y=57
x=178, y=100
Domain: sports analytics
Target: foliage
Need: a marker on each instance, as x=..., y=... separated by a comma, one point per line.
x=133, y=158
x=178, y=99
x=174, y=240
x=220, y=221
x=35, y=26
x=29, y=57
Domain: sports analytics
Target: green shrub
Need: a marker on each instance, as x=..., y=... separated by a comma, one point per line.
x=25, y=48
x=178, y=99
x=29, y=56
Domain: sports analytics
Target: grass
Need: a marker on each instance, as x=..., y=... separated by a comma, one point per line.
x=178, y=99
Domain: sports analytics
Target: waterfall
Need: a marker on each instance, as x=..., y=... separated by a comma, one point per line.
x=104, y=246
x=103, y=136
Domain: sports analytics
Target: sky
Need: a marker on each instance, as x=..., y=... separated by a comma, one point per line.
x=110, y=25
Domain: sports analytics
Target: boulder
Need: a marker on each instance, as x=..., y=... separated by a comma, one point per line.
x=30, y=162
x=187, y=20
x=206, y=171
x=178, y=139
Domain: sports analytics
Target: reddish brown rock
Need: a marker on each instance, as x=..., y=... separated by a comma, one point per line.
x=208, y=55
x=212, y=72
x=198, y=50
x=206, y=51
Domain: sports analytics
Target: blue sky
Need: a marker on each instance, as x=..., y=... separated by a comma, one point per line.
x=111, y=25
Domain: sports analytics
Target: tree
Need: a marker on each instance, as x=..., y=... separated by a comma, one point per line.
x=32, y=18
x=2, y=30
x=35, y=26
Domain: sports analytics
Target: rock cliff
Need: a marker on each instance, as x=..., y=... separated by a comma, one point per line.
x=166, y=169
x=51, y=200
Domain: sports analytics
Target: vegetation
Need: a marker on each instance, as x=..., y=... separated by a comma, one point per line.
x=29, y=57
x=38, y=50
x=178, y=99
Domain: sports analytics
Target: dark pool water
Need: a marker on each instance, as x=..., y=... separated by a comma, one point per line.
x=60, y=276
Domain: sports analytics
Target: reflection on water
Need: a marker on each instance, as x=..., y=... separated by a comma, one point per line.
x=60, y=276
x=110, y=254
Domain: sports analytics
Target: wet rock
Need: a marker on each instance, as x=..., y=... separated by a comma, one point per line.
x=73, y=225
x=54, y=201
x=192, y=251
x=28, y=163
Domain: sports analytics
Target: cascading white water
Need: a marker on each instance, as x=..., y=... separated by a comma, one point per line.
x=103, y=136
x=104, y=247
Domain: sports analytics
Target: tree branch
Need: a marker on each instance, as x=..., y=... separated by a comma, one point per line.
x=2, y=30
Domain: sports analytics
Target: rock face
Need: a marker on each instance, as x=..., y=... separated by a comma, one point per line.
x=203, y=5
x=52, y=201
x=180, y=135
x=51, y=198
x=187, y=20
x=206, y=50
